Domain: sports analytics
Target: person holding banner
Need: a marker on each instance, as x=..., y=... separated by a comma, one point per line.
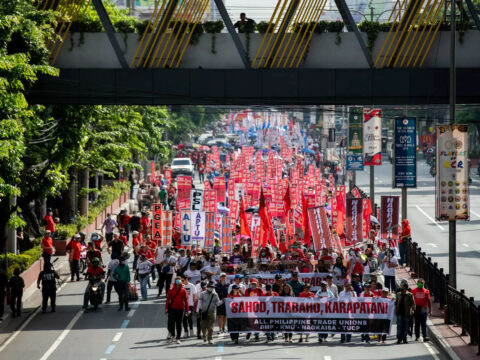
x=233, y=293
x=324, y=292
x=347, y=293
x=222, y=290
x=306, y=293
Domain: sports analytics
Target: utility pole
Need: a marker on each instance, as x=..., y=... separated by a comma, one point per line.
x=452, y=224
x=371, y=13
x=372, y=187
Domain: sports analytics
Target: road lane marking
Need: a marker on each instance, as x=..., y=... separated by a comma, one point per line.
x=327, y=357
x=466, y=245
x=432, y=245
x=62, y=336
x=474, y=213
x=109, y=349
x=135, y=305
x=218, y=358
x=430, y=350
x=429, y=217
x=220, y=347
x=24, y=325
x=117, y=337
x=131, y=313
x=124, y=324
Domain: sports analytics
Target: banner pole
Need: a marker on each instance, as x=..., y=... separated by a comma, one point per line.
x=404, y=203
x=372, y=187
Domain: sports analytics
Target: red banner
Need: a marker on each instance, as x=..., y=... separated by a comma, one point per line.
x=168, y=176
x=157, y=222
x=209, y=230
x=166, y=228
x=389, y=206
x=184, y=185
x=233, y=209
x=226, y=235
x=219, y=185
x=320, y=230
x=354, y=221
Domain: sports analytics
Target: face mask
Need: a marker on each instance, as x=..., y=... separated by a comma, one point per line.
x=177, y=282
x=209, y=290
x=351, y=253
x=420, y=285
x=295, y=247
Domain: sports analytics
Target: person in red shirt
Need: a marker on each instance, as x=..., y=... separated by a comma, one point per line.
x=47, y=246
x=145, y=223
x=423, y=308
x=75, y=248
x=306, y=294
x=126, y=223
x=95, y=274
x=145, y=251
x=49, y=223
x=175, y=306
x=254, y=290
x=402, y=242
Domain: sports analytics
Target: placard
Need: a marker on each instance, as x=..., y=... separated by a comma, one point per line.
x=157, y=222
x=405, y=153
x=196, y=200
x=372, y=137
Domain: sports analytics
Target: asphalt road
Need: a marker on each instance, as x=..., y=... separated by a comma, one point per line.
x=141, y=334
x=432, y=236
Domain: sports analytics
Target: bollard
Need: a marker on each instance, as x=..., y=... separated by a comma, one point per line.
x=462, y=313
x=444, y=298
x=471, y=306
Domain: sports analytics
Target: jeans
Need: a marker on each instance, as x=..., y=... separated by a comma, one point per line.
x=390, y=283
x=164, y=280
x=143, y=279
x=402, y=327
x=135, y=261
x=421, y=321
x=175, y=318
x=402, y=247
x=86, y=295
x=46, y=294
x=132, y=191
x=188, y=320
x=16, y=302
x=123, y=294
x=46, y=257
x=111, y=284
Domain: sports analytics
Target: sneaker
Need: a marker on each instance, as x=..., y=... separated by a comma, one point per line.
x=210, y=342
x=320, y=340
x=235, y=342
x=204, y=339
x=248, y=336
x=177, y=341
x=257, y=338
x=405, y=341
x=426, y=339
x=417, y=337
x=119, y=309
x=127, y=309
x=399, y=341
x=107, y=302
x=300, y=340
x=199, y=337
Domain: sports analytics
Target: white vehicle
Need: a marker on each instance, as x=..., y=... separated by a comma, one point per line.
x=182, y=166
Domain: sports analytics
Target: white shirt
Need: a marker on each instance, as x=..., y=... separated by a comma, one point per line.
x=191, y=292
x=241, y=286
x=333, y=289
x=337, y=272
x=144, y=267
x=195, y=276
x=184, y=261
x=111, y=267
x=159, y=255
x=390, y=270
x=347, y=294
x=171, y=259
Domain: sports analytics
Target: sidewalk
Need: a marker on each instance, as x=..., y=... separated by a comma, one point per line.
x=32, y=297
x=447, y=337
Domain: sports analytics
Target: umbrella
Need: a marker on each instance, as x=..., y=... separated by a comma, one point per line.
x=374, y=220
x=252, y=209
x=308, y=151
x=226, y=145
x=265, y=151
x=223, y=209
x=204, y=148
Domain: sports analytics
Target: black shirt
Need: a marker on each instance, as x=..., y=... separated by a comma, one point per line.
x=116, y=246
x=134, y=223
x=47, y=277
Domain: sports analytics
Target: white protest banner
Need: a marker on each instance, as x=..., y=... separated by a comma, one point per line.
x=310, y=315
x=186, y=228
x=372, y=137
x=198, y=228
x=196, y=200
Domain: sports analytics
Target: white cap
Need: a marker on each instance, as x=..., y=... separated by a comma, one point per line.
x=134, y=232
x=76, y=236
x=48, y=232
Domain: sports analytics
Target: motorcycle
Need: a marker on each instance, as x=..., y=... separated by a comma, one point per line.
x=95, y=294
x=433, y=170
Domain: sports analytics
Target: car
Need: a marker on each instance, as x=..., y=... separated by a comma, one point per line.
x=182, y=166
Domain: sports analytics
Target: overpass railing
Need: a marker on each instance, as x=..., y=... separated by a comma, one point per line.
x=460, y=309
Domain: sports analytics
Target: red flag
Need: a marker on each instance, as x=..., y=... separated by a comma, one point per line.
x=305, y=223
x=341, y=213
x=286, y=202
x=266, y=223
x=244, y=228
x=366, y=216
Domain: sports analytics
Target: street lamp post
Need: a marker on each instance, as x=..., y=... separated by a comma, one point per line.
x=452, y=225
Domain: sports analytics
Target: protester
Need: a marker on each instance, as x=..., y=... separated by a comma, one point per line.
x=296, y=285
x=121, y=274
x=112, y=283
x=404, y=309
x=192, y=299
x=48, y=278
x=49, y=223
x=47, y=246
x=423, y=308
x=176, y=306
x=389, y=270
x=109, y=225
x=74, y=251
x=165, y=274
x=3, y=291
x=16, y=286
x=405, y=235
x=207, y=304
x=144, y=268
x=221, y=289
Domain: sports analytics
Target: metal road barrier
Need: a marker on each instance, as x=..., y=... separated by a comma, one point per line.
x=461, y=310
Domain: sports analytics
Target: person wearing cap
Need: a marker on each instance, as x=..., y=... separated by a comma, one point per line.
x=356, y=283
x=74, y=250
x=233, y=293
x=390, y=263
x=237, y=280
x=109, y=225
x=110, y=280
x=95, y=273
x=176, y=306
x=212, y=268
x=49, y=223
x=136, y=247
x=404, y=309
x=144, y=267
x=207, y=305
x=366, y=293
x=115, y=246
x=296, y=285
x=183, y=261
x=222, y=290
x=236, y=258
x=165, y=275
x=193, y=273
x=47, y=246
x=255, y=289
x=269, y=292
x=385, y=292
x=191, y=290
x=121, y=274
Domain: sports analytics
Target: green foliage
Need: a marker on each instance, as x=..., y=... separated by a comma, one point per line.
x=372, y=28
x=106, y=197
x=22, y=261
x=213, y=27
x=262, y=27
x=65, y=231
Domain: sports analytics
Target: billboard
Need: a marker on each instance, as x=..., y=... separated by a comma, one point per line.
x=405, y=152
x=372, y=137
x=354, y=162
x=452, y=196
x=355, y=130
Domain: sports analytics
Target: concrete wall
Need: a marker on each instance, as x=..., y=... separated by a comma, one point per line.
x=96, y=51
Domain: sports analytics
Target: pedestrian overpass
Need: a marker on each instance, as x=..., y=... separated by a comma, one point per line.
x=292, y=62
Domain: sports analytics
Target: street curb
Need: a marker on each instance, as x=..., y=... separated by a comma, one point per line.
x=440, y=341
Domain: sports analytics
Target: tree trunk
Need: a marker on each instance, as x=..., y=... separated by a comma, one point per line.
x=84, y=184
x=28, y=213
x=67, y=209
